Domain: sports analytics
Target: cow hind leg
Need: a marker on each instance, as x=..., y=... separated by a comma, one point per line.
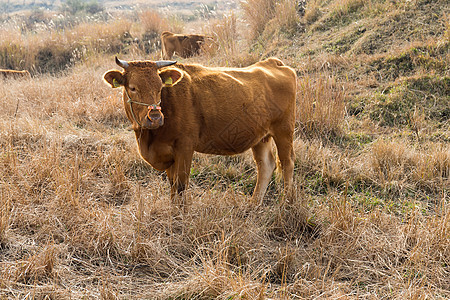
x=265, y=165
x=285, y=148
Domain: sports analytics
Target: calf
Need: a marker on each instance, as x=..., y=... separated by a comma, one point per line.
x=184, y=45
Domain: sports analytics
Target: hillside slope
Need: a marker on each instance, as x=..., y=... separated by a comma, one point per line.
x=392, y=57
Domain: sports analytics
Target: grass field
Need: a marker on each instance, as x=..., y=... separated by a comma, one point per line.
x=82, y=216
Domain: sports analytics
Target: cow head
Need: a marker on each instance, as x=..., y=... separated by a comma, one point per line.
x=143, y=82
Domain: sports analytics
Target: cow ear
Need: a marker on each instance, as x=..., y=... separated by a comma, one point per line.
x=114, y=78
x=170, y=77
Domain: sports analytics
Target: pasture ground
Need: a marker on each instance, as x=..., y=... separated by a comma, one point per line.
x=83, y=217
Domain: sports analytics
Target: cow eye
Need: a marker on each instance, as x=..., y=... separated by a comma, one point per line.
x=132, y=88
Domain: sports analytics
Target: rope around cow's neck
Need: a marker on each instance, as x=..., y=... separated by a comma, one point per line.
x=150, y=107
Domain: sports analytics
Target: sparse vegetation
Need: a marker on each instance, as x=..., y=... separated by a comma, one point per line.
x=51, y=50
x=75, y=7
x=322, y=106
x=82, y=216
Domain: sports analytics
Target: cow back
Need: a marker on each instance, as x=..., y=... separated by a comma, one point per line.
x=227, y=111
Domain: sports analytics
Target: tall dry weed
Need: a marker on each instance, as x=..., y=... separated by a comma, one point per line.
x=223, y=38
x=432, y=169
x=321, y=106
x=257, y=14
x=37, y=268
x=5, y=214
x=286, y=15
x=396, y=163
x=284, y=22
x=312, y=11
x=389, y=161
x=52, y=50
x=268, y=18
x=345, y=7
x=152, y=22
x=16, y=50
x=222, y=275
x=175, y=24
x=447, y=28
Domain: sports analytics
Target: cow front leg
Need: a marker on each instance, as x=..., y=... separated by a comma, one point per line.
x=178, y=175
x=167, y=52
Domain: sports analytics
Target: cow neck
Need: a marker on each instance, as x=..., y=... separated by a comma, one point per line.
x=150, y=106
x=145, y=139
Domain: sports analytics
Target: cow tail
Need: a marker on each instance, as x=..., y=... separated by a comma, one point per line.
x=278, y=171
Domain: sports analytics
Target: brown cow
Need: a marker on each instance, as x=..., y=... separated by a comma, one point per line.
x=184, y=45
x=176, y=109
x=13, y=74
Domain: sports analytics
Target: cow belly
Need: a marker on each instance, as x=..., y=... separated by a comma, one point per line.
x=231, y=140
x=235, y=132
x=223, y=148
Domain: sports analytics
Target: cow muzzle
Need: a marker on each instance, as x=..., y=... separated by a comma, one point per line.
x=154, y=118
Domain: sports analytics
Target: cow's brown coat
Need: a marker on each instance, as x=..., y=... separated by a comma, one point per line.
x=184, y=45
x=211, y=110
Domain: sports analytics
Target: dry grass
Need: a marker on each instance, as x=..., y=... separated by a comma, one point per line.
x=322, y=106
x=258, y=13
x=393, y=164
x=52, y=50
x=82, y=216
x=152, y=21
x=286, y=17
x=342, y=8
x=222, y=38
x=312, y=12
x=269, y=22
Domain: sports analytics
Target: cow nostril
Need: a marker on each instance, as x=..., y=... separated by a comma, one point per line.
x=154, y=118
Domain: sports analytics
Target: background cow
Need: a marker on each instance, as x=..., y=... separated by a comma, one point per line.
x=176, y=109
x=13, y=74
x=184, y=45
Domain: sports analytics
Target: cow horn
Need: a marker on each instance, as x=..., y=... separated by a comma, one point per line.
x=165, y=63
x=122, y=63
